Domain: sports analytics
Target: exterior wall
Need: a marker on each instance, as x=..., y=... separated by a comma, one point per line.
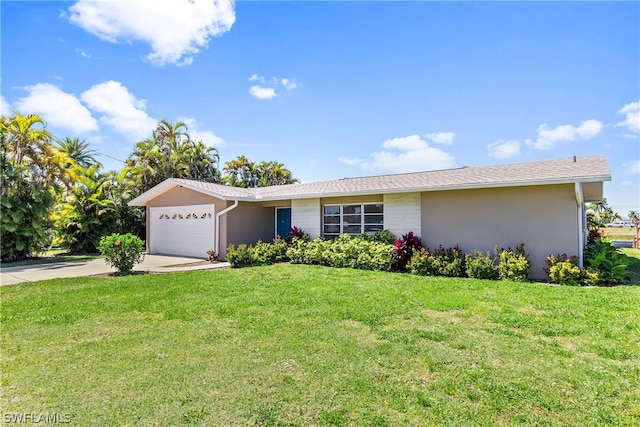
x=180, y=196
x=402, y=213
x=305, y=214
x=345, y=200
x=544, y=218
x=247, y=223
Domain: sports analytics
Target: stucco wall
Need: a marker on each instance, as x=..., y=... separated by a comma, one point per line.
x=248, y=223
x=544, y=218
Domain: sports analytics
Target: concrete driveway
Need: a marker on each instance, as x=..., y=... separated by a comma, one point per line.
x=90, y=267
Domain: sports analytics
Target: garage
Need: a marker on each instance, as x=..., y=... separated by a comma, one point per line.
x=182, y=230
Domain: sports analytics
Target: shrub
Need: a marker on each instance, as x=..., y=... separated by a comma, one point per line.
x=403, y=250
x=514, y=264
x=296, y=234
x=213, y=255
x=607, y=261
x=239, y=256
x=343, y=251
x=563, y=270
x=442, y=262
x=268, y=253
x=480, y=265
x=384, y=236
x=122, y=251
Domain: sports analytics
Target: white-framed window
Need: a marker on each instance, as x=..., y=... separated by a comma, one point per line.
x=352, y=219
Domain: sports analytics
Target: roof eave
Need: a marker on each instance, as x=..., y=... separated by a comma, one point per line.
x=558, y=181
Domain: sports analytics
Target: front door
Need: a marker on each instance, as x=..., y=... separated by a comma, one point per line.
x=283, y=222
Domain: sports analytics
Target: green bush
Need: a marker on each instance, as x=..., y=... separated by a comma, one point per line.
x=122, y=251
x=269, y=253
x=607, y=261
x=344, y=251
x=481, y=265
x=240, y=256
x=442, y=262
x=514, y=264
x=563, y=270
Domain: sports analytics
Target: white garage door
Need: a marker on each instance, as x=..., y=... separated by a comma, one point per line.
x=182, y=230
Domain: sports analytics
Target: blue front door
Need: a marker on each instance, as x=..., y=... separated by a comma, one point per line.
x=283, y=221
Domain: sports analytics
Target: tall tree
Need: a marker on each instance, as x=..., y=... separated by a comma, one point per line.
x=32, y=171
x=242, y=172
x=87, y=214
x=77, y=150
x=171, y=153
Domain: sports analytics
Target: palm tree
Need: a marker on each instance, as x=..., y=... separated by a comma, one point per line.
x=78, y=150
x=23, y=137
x=172, y=138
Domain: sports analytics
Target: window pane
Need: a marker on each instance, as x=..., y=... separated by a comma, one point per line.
x=377, y=208
x=352, y=229
x=352, y=219
x=332, y=219
x=351, y=209
x=331, y=229
x=372, y=228
x=332, y=210
x=373, y=219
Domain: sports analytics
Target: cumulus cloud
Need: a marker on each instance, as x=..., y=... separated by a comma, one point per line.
x=502, y=149
x=5, y=107
x=548, y=137
x=632, y=116
x=266, y=89
x=445, y=138
x=58, y=108
x=120, y=109
x=288, y=84
x=83, y=53
x=260, y=92
x=175, y=30
x=207, y=137
x=407, y=154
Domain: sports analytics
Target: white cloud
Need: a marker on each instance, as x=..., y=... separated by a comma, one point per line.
x=288, y=84
x=632, y=116
x=5, y=107
x=83, y=53
x=503, y=149
x=408, y=154
x=262, y=92
x=267, y=88
x=350, y=161
x=209, y=138
x=58, y=108
x=120, y=109
x=175, y=30
x=548, y=137
x=632, y=168
x=445, y=138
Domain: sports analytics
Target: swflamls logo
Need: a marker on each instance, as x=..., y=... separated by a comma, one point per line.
x=33, y=418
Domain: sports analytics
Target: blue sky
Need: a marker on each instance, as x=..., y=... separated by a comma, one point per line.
x=337, y=89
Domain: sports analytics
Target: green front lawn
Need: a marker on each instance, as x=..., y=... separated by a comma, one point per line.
x=305, y=345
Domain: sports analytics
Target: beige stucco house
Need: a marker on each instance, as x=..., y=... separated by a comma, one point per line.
x=540, y=204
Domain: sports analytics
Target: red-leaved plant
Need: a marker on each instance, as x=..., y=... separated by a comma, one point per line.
x=403, y=250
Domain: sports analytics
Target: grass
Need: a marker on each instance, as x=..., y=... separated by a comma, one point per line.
x=624, y=233
x=306, y=345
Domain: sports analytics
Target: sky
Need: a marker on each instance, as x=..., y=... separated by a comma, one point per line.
x=337, y=89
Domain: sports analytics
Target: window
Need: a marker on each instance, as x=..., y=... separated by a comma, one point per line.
x=352, y=219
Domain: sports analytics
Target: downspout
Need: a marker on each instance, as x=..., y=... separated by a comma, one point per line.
x=218, y=215
x=581, y=223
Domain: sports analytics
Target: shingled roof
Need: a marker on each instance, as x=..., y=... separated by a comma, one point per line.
x=559, y=171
